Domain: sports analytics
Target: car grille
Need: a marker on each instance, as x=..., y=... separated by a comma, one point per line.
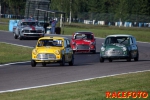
x=36, y=31
x=83, y=47
x=32, y=34
x=32, y=31
x=46, y=56
x=114, y=52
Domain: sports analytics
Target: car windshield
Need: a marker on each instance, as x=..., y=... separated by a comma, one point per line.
x=83, y=36
x=30, y=23
x=114, y=40
x=50, y=42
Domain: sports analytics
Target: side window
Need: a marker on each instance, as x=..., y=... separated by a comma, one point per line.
x=65, y=43
x=107, y=41
x=131, y=41
x=134, y=40
x=68, y=43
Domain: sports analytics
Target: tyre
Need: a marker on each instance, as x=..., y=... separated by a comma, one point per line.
x=129, y=58
x=93, y=51
x=33, y=63
x=15, y=36
x=43, y=64
x=62, y=62
x=20, y=37
x=137, y=57
x=110, y=60
x=72, y=61
x=74, y=51
x=101, y=59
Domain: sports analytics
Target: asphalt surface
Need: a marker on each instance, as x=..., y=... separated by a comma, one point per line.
x=87, y=65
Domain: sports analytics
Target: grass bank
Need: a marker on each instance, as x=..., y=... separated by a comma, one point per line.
x=10, y=53
x=141, y=34
x=86, y=90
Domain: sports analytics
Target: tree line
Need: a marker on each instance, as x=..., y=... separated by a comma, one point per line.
x=124, y=9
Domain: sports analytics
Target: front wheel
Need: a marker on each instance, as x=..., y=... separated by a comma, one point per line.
x=15, y=36
x=137, y=57
x=62, y=62
x=129, y=58
x=101, y=59
x=43, y=64
x=93, y=51
x=110, y=60
x=20, y=37
x=33, y=63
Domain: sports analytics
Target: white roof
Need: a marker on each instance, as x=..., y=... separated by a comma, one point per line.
x=118, y=35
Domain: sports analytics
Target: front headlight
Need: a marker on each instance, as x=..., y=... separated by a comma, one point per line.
x=57, y=52
x=93, y=43
x=102, y=49
x=73, y=43
x=124, y=48
x=34, y=51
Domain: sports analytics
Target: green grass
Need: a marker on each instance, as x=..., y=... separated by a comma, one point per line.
x=10, y=53
x=86, y=90
x=141, y=34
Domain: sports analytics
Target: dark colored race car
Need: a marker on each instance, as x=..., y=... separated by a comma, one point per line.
x=83, y=41
x=119, y=47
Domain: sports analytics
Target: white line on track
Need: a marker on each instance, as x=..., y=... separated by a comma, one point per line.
x=17, y=44
x=27, y=88
x=14, y=63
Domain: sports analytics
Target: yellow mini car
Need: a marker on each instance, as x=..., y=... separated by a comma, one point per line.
x=52, y=49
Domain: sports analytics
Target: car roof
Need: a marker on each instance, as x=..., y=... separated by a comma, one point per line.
x=52, y=37
x=83, y=32
x=120, y=35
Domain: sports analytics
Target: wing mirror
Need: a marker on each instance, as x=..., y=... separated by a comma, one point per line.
x=102, y=44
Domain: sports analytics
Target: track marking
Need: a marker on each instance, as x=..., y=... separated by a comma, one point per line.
x=27, y=88
x=14, y=63
x=17, y=44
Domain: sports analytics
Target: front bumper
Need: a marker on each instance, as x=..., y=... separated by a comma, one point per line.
x=32, y=34
x=46, y=60
x=115, y=57
x=46, y=57
x=117, y=54
x=83, y=48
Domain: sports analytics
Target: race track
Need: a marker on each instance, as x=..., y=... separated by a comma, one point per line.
x=22, y=75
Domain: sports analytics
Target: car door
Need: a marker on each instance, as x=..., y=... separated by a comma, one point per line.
x=66, y=51
x=70, y=51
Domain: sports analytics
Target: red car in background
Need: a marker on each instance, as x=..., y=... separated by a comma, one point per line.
x=83, y=41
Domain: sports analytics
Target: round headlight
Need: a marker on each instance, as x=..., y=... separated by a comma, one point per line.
x=102, y=49
x=57, y=52
x=124, y=48
x=34, y=51
x=93, y=43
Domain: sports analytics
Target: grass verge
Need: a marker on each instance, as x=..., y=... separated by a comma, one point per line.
x=86, y=90
x=10, y=53
x=141, y=34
